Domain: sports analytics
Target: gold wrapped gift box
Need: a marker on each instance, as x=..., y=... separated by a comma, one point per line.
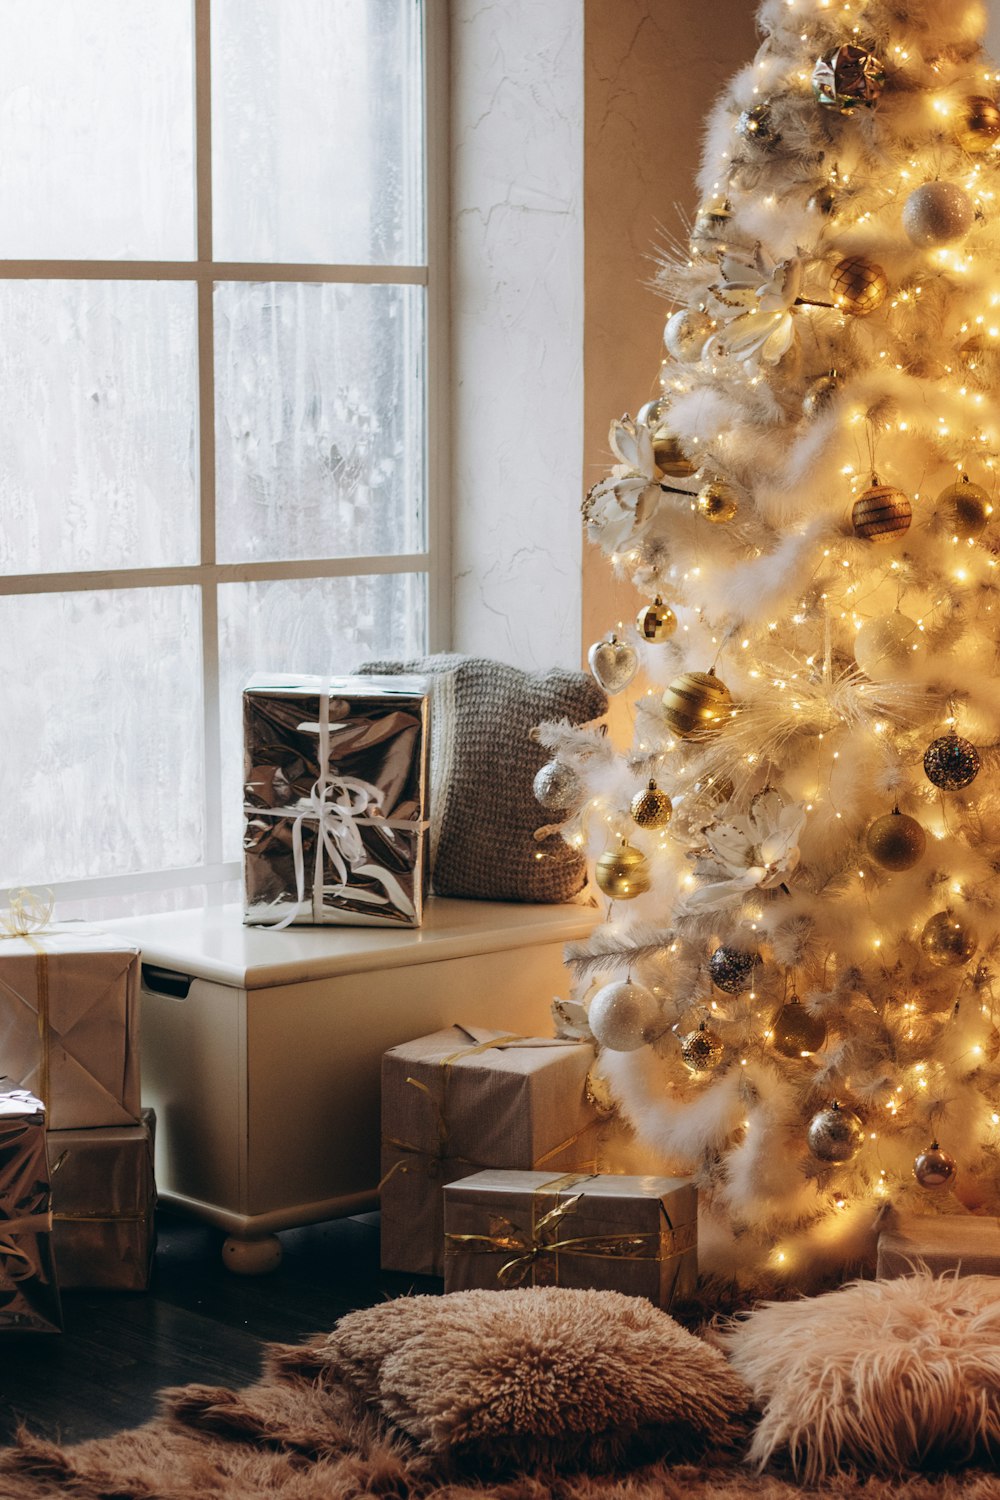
x=637, y=1235
x=465, y=1098
x=962, y=1243
x=29, y=1294
x=103, y=1204
x=69, y=1028
x=335, y=800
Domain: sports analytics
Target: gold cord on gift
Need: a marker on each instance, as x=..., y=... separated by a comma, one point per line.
x=27, y=911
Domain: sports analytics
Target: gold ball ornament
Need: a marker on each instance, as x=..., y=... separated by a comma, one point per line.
x=651, y=808
x=702, y=1050
x=696, y=704
x=881, y=514
x=939, y=213
x=795, y=1032
x=885, y=647
x=896, y=841
x=656, y=622
x=820, y=394
x=952, y=763
x=622, y=1015
x=965, y=508
x=935, y=1168
x=670, y=458
x=622, y=872
x=858, y=286
x=848, y=78
x=948, y=941
x=686, y=334
x=717, y=502
x=756, y=126
x=835, y=1135
x=979, y=125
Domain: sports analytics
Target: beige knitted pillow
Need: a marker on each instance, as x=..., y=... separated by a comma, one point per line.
x=483, y=763
x=539, y=1377
x=883, y=1376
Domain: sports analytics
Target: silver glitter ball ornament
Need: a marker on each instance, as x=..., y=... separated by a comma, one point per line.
x=702, y=1050
x=835, y=1134
x=939, y=213
x=622, y=1015
x=952, y=763
x=731, y=969
x=557, y=787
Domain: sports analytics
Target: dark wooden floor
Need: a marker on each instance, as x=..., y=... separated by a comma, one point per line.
x=199, y=1322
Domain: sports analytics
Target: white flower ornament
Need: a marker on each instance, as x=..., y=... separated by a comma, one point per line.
x=755, y=301
x=620, y=508
x=758, y=851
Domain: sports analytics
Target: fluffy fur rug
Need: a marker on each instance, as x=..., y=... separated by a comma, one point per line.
x=291, y=1437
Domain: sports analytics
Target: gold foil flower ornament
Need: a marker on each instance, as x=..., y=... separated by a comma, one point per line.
x=757, y=851
x=754, y=301
x=620, y=508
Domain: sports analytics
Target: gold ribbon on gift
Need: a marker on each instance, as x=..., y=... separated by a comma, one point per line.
x=539, y=1245
x=433, y=1160
x=30, y=912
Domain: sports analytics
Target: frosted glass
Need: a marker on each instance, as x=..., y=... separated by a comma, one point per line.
x=96, y=129
x=315, y=625
x=98, y=392
x=317, y=130
x=104, y=773
x=320, y=420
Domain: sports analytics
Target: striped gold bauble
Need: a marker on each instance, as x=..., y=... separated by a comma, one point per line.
x=696, y=704
x=882, y=514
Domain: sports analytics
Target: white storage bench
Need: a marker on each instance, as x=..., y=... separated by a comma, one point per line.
x=261, y=1050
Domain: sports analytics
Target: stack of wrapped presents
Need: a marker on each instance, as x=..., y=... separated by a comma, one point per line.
x=77, y=1192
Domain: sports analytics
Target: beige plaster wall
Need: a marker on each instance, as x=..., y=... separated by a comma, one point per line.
x=652, y=69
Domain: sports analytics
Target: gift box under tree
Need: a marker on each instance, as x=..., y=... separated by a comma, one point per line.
x=462, y=1099
x=960, y=1243
x=335, y=800
x=29, y=1294
x=103, y=1204
x=637, y=1235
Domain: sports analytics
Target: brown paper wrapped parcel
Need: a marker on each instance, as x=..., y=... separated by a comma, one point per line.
x=466, y=1098
x=29, y=1294
x=103, y=1203
x=637, y=1235
x=942, y=1242
x=335, y=801
x=69, y=1024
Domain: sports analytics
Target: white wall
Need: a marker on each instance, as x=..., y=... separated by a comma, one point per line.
x=517, y=335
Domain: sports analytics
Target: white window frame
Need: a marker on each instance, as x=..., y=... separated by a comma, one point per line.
x=208, y=573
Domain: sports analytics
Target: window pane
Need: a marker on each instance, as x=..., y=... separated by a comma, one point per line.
x=317, y=625
x=317, y=131
x=98, y=391
x=104, y=773
x=320, y=420
x=96, y=130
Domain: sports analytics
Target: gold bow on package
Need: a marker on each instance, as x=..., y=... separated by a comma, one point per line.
x=335, y=801
x=466, y=1098
x=637, y=1235
x=29, y=1295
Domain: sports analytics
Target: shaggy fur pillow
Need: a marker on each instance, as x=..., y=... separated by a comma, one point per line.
x=887, y=1376
x=484, y=813
x=540, y=1377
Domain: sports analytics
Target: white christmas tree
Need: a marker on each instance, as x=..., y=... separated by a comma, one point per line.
x=794, y=991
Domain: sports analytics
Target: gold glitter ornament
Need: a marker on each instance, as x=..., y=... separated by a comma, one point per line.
x=820, y=394
x=702, y=1050
x=935, y=1168
x=835, y=1135
x=717, y=502
x=795, y=1032
x=952, y=763
x=965, y=509
x=896, y=841
x=622, y=872
x=848, y=78
x=858, y=286
x=696, y=704
x=939, y=213
x=882, y=513
x=979, y=125
x=948, y=941
x=651, y=808
x=656, y=622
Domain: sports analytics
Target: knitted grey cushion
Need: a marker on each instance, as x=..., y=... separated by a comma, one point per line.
x=483, y=763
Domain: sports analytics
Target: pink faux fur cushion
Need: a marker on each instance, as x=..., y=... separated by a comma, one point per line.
x=887, y=1376
x=495, y=1380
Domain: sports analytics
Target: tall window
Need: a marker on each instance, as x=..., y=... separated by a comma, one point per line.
x=217, y=377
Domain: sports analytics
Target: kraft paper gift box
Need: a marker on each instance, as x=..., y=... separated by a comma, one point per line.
x=103, y=1205
x=637, y=1235
x=335, y=800
x=465, y=1098
x=69, y=1025
x=942, y=1242
x=29, y=1294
